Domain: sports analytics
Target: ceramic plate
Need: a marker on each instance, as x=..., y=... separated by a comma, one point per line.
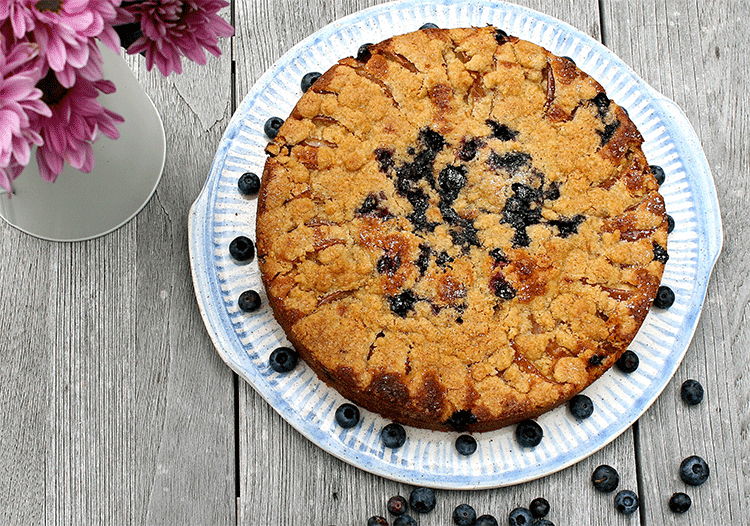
x=245, y=341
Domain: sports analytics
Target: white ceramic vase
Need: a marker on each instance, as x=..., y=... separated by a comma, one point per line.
x=80, y=206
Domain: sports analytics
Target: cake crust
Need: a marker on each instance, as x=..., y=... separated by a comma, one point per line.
x=458, y=229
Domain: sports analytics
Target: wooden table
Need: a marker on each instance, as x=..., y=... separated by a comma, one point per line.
x=116, y=409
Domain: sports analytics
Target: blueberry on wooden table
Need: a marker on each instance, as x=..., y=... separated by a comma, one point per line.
x=308, y=80
x=605, y=478
x=529, y=433
x=520, y=517
x=271, y=127
x=581, y=407
x=248, y=184
x=242, y=248
x=464, y=515
x=626, y=502
x=539, y=507
x=283, y=359
x=664, y=297
x=397, y=505
x=377, y=520
x=405, y=520
x=466, y=445
x=347, y=415
x=393, y=435
x=486, y=520
x=694, y=471
x=249, y=301
x=691, y=392
x=680, y=502
x=422, y=500
x=628, y=362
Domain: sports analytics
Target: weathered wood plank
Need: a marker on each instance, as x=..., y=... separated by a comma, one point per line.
x=694, y=53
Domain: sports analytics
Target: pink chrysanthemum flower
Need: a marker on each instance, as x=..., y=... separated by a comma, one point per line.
x=77, y=120
x=19, y=99
x=176, y=28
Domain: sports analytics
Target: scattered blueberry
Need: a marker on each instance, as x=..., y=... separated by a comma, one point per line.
x=464, y=515
x=422, y=500
x=628, y=362
x=694, y=471
x=283, y=359
x=691, y=392
x=397, y=505
x=581, y=407
x=363, y=53
x=680, y=502
x=605, y=478
x=248, y=183
x=405, y=520
x=664, y=297
x=393, y=435
x=520, y=517
x=486, y=520
x=539, y=507
x=529, y=433
x=626, y=502
x=271, y=127
x=308, y=80
x=377, y=520
x=543, y=522
x=466, y=445
x=347, y=415
x=429, y=25
x=242, y=248
x=670, y=224
x=659, y=174
x=249, y=301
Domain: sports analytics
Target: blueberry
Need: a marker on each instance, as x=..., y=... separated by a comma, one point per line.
x=402, y=303
x=659, y=174
x=363, y=53
x=397, y=505
x=271, y=127
x=347, y=415
x=520, y=517
x=422, y=500
x=464, y=515
x=393, y=435
x=429, y=25
x=405, y=520
x=308, y=80
x=680, y=502
x=543, y=522
x=626, y=502
x=691, y=392
x=670, y=224
x=461, y=420
x=581, y=406
x=664, y=298
x=596, y=360
x=570, y=60
x=628, y=362
x=242, y=249
x=501, y=37
x=466, y=445
x=377, y=520
x=501, y=131
x=249, y=301
x=694, y=471
x=539, y=507
x=283, y=359
x=602, y=102
x=529, y=433
x=660, y=253
x=605, y=478
x=248, y=184
x=486, y=520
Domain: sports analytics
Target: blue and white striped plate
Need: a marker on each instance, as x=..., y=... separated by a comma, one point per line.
x=245, y=341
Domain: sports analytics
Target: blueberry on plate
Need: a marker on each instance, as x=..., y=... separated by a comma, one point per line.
x=308, y=80
x=393, y=435
x=543, y=522
x=626, y=502
x=466, y=445
x=658, y=172
x=242, y=248
x=405, y=520
x=422, y=499
x=694, y=471
x=429, y=25
x=397, y=505
x=691, y=392
x=377, y=520
x=529, y=433
x=486, y=520
x=248, y=184
x=249, y=301
x=605, y=478
x=670, y=224
x=628, y=362
x=271, y=127
x=283, y=359
x=520, y=517
x=347, y=415
x=680, y=502
x=539, y=507
x=664, y=297
x=581, y=406
x=464, y=515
